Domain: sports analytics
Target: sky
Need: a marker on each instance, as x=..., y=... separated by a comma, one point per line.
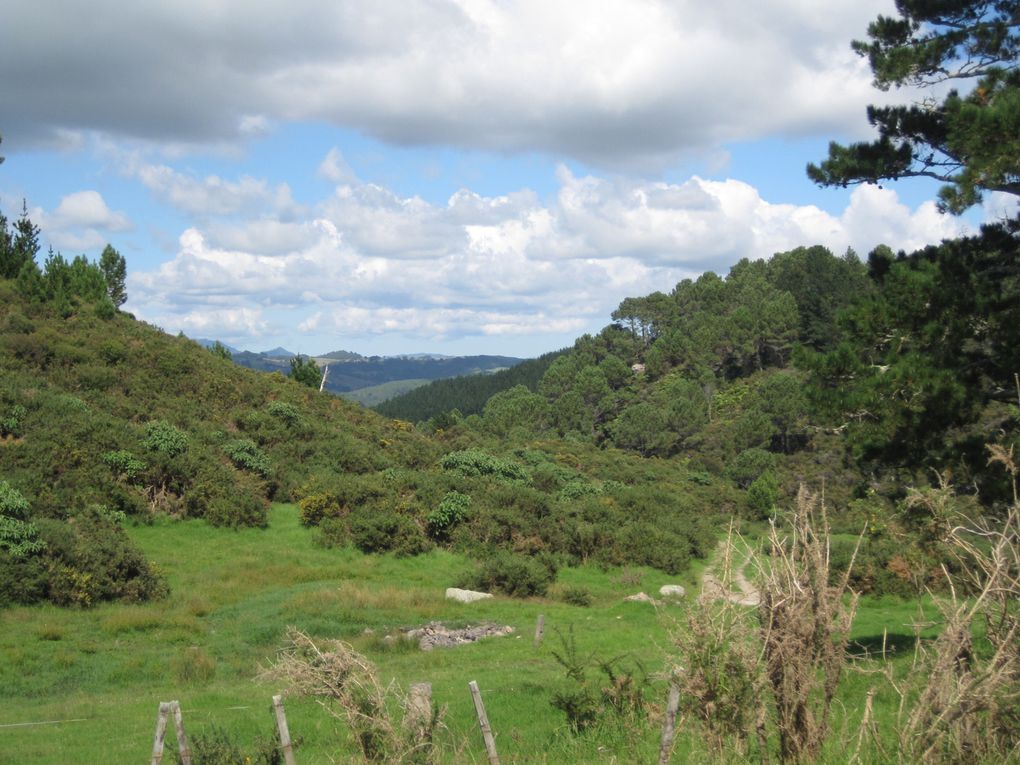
x=444, y=176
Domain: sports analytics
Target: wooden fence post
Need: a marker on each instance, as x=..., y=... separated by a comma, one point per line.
x=539, y=629
x=182, y=740
x=157, y=744
x=669, y=726
x=281, y=726
x=483, y=723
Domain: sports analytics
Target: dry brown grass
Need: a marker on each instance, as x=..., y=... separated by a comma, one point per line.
x=347, y=685
x=718, y=670
x=805, y=627
x=961, y=702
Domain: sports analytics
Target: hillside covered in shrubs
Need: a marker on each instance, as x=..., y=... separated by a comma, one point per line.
x=108, y=421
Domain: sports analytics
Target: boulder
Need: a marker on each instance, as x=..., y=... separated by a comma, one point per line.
x=465, y=596
x=672, y=591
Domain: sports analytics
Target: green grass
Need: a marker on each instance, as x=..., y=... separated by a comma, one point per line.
x=236, y=592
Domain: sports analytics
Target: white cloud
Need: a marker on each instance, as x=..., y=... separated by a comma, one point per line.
x=623, y=83
x=335, y=168
x=82, y=221
x=212, y=196
x=374, y=262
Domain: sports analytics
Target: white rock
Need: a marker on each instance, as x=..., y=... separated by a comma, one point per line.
x=642, y=597
x=672, y=591
x=465, y=596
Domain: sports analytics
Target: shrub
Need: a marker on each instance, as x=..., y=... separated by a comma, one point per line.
x=162, y=437
x=11, y=424
x=577, y=596
x=515, y=575
x=373, y=531
x=284, y=411
x=576, y=489
x=19, y=538
x=242, y=509
x=95, y=560
x=475, y=462
x=448, y=513
x=318, y=507
x=245, y=454
x=218, y=747
x=124, y=464
x=749, y=465
x=763, y=495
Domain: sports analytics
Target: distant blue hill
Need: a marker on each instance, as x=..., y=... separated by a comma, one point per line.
x=349, y=371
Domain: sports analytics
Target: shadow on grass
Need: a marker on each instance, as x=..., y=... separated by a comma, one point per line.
x=895, y=643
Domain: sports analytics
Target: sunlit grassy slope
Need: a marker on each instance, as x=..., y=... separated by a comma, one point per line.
x=103, y=671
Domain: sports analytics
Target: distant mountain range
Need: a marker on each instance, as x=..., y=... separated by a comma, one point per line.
x=349, y=371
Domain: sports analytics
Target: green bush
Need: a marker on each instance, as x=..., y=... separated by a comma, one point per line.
x=19, y=538
x=375, y=531
x=218, y=747
x=246, y=454
x=94, y=560
x=475, y=462
x=318, y=507
x=448, y=513
x=578, y=596
x=577, y=488
x=162, y=437
x=763, y=494
x=11, y=424
x=237, y=511
x=284, y=411
x=515, y=575
x=124, y=464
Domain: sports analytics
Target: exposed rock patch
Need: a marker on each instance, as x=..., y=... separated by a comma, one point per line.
x=435, y=635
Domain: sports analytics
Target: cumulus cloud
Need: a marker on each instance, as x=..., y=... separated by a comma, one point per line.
x=614, y=83
x=82, y=221
x=212, y=195
x=371, y=261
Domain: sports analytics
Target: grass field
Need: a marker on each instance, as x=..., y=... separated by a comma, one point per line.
x=103, y=671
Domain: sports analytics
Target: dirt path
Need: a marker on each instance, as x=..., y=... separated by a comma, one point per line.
x=712, y=587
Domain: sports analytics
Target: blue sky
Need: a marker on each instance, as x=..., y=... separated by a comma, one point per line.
x=453, y=176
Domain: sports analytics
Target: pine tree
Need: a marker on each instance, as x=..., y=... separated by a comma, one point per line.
x=970, y=141
x=114, y=270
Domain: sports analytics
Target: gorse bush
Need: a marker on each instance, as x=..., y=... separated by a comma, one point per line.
x=516, y=575
x=323, y=505
x=373, y=531
x=217, y=746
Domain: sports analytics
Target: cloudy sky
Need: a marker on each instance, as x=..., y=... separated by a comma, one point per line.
x=454, y=176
